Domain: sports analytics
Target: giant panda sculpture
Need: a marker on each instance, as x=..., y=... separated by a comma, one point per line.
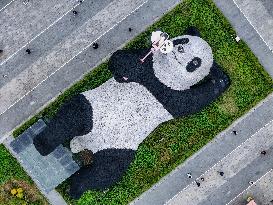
x=114, y=118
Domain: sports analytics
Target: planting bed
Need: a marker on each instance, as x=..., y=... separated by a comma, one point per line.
x=174, y=141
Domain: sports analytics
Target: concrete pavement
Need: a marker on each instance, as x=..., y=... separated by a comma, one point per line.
x=36, y=88
x=247, y=31
x=242, y=165
x=260, y=14
x=261, y=191
x=18, y=28
x=199, y=164
x=51, y=39
x=5, y=3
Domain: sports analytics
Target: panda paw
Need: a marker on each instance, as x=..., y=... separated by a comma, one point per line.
x=224, y=81
x=76, y=145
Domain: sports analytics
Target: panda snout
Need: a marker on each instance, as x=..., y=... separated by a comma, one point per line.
x=180, y=49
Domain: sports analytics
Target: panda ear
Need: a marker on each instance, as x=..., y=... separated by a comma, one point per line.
x=193, y=31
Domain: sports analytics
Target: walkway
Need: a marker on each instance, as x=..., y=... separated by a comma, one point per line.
x=253, y=36
x=226, y=141
x=260, y=14
x=242, y=165
x=22, y=22
x=261, y=191
x=61, y=55
x=205, y=160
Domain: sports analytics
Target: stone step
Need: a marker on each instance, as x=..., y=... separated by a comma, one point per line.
x=48, y=171
x=21, y=22
x=26, y=138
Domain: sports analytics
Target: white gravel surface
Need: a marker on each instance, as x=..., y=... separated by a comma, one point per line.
x=124, y=114
x=171, y=70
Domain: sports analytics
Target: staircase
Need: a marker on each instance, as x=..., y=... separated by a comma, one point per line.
x=47, y=171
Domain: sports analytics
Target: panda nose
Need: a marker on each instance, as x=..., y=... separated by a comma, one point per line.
x=181, y=49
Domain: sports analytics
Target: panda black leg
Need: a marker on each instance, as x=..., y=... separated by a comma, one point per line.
x=219, y=77
x=73, y=119
x=108, y=167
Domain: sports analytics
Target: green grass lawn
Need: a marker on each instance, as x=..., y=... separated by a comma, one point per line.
x=12, y=176
x=174, y=141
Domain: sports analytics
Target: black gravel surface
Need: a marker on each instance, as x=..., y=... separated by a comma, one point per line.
x=179, y=103
x=73, y=119
x=107, y=168
x=194, y=64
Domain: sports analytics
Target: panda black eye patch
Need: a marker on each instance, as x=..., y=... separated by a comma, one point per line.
x=194, y=64
x=181, y=41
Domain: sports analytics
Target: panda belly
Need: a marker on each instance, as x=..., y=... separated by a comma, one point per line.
x=124, y=114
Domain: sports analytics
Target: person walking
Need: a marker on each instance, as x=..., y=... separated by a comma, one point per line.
x=189, y=175
x=28, y=51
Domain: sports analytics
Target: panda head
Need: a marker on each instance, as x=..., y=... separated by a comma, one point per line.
x=187, y=64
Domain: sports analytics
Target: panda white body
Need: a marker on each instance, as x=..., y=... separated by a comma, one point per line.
x=170, y=68
x=124, y=114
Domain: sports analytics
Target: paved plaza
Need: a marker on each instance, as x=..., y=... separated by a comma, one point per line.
x=61, y=41
x=246, y=17
x=60, y=44
x=236, y=155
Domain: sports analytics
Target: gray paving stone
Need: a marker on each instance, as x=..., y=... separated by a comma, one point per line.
x=25, y=138
x=38, y=127
x=17, y=146
x=72, y=168
x=59, y=152
x=65, y=160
